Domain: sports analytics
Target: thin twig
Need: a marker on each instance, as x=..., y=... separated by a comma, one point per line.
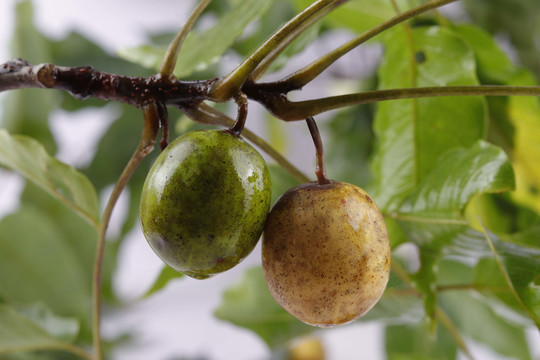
x=169, y=61
x=279, y=48
x=146, y=145
x=287, y=110
x=454, y=332
x=230, y=84
x=305, y=75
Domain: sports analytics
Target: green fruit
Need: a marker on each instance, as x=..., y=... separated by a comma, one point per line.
x=205, y=201
x=326, y=253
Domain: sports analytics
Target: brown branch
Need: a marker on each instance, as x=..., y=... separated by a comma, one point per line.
x=273, y=97
x=84, y=82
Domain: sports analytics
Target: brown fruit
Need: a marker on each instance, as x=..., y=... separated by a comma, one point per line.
x=326, y=253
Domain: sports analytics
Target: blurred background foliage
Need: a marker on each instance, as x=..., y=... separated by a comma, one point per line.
x=458, y=179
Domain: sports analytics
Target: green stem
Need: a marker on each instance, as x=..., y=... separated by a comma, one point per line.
x=321, y=166
x=169, y=61
x=468, y=287
x=292, y=111
x=146, y=145
x=231, y=84
x=279, y=48
x=454, y=332
x=206, y=114
x=242, y=104
x=311, y=71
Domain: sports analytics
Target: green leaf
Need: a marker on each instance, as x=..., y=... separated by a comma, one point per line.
x=514, y=121
x=167, y=274
x=412, y=134
x=523, y=268
x=249, y=304
x=474, y=309
x=432, y=215
x=64, y=329
x=477, y=318
x=415, y=342
x=458, y=176
x=493, y=65
x=520, y=263
x=202, y=49
x=26, y=156
x=371, y=13
x=21, y=332
x=39, y=264
x=518, y=20
x=490, y=282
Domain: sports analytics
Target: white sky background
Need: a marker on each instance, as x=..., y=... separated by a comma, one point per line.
x=178, y=321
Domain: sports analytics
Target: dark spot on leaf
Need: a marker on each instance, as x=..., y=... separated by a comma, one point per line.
x=420, y=57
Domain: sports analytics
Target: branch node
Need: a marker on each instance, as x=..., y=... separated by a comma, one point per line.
x=46, y=75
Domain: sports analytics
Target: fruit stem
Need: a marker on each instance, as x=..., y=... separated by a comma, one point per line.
x=169, y=61
x=316, y=136
x=241, y=100
x=146, y=145
x=205, y=114
x=164, y=124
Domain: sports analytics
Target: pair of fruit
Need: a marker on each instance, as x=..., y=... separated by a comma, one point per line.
x=325, y=250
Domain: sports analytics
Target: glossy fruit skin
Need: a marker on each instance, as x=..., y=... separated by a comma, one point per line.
x=326, y=253
x=205, y=201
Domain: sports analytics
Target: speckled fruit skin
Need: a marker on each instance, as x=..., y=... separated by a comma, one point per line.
x=326, y=253
x=205, y=201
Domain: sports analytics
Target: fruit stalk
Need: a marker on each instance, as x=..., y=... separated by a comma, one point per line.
x=205, y=114
x=146, y=145
x=316, y=136
x=242, y=104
